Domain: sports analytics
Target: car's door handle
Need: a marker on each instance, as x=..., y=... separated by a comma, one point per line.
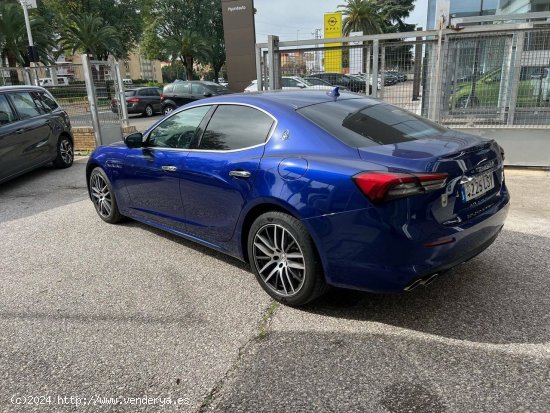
x=20, y=131
x=169, y=168
x=240, y=174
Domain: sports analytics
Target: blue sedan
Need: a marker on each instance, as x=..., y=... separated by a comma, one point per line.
x=312, y=189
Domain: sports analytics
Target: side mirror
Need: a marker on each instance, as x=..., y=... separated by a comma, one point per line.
x=207, y=94
x=134, y=140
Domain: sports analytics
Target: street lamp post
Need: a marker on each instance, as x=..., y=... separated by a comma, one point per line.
x=26, y=4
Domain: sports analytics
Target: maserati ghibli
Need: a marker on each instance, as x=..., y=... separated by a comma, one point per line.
x=311, y=188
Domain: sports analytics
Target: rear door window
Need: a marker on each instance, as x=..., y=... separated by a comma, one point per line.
x=236, y=127
x=26, y=105
x=47, y=101
x=6, y=112
x=197, y=89
x=181, y=88
x=361, y=122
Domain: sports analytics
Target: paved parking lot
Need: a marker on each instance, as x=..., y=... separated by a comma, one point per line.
x=92, y=310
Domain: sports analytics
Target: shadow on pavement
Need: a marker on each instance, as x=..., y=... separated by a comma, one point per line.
x=43, y=189
x=501, y=296
x=189, y=244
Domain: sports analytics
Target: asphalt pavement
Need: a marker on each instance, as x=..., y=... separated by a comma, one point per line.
x=93, y=311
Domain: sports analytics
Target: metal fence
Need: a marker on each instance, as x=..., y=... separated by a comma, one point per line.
x=490, y=76
x=89, y=92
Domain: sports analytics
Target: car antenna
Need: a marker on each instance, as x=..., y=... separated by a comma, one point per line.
x=334, y=92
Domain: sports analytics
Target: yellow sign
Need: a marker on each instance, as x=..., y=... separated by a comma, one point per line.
x=333, y=30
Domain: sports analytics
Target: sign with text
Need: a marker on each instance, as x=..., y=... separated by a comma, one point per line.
x=333, y=30
x=240, y=42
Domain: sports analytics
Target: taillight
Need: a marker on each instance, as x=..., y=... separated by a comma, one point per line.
x=162, y=96
x=385, y=186
x=113, y=101
x=133, y=100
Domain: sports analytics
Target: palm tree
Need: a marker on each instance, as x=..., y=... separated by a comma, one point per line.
x=188, y=47
x=361, y=16
x=13, y=37
x=87, y=33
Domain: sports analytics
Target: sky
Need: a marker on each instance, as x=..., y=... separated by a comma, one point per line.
x=292, y=19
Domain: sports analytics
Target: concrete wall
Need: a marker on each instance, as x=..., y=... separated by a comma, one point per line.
x=523, y=147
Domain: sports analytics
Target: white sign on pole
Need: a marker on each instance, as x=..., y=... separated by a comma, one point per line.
x=355, y=55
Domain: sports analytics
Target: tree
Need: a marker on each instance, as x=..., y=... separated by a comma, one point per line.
x=188, y=46
x=380, y=16
x=124, y=16
x=189, y=30
x=216, y=41
x=88, y=33
x=14, y=40
x=361, y=16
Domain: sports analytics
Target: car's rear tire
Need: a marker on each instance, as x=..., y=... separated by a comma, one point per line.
x=167, y=109
x=103, y=197
x=284, y=259
x=65, y=152
x=148, y=112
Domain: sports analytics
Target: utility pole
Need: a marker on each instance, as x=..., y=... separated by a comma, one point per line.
x=28, y=4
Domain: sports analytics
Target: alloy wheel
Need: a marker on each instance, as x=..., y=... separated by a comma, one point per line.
x=101, y=196
x=149, y=111
x=66, y=151
x=279, y=260
x=168, y=109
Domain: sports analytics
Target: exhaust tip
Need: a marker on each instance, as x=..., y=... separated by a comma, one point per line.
x=428, y=279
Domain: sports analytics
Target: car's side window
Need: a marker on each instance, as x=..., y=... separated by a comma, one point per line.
x=197, y=89
x=181, y=88
x=236, y=127
x=25, y=105
x=6, y=113
x=49, y=103
x=178, y=130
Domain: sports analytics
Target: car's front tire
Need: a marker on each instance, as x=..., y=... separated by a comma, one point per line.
x=65, y=153
x=284, y=259
x=103, y=197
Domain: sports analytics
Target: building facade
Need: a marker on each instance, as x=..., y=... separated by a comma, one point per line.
x=467, y=8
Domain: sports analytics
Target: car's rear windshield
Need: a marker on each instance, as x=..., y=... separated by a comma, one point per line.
x=360, y=122
x=130, y=93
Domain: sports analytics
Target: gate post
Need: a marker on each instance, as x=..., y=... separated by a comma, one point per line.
x=259, y=77
x=90, y=90
x=274, y=61
x=375, y=51
x=121, y=97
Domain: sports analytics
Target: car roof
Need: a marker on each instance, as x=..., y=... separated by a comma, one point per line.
x=20, y=87
x=288, y=99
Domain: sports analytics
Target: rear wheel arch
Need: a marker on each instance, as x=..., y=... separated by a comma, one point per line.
x=89, y=168
x=261, y=209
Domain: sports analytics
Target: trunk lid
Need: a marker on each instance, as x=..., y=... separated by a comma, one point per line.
x=469, y=161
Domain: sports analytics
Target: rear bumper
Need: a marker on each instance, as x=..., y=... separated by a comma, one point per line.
x=360, y=252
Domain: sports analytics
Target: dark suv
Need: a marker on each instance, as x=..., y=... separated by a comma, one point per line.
x=144, y=100
x=34, y=131
x=179, y=93
x=338, y=79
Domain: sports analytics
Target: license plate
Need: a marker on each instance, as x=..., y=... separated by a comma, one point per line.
x=477, y=186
